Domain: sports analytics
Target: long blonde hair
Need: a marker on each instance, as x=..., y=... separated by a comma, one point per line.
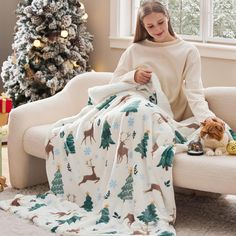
x=146, y=8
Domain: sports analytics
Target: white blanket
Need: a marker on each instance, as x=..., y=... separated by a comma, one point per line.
x=114, y=162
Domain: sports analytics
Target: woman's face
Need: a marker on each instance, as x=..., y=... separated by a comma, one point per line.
x=156, y=25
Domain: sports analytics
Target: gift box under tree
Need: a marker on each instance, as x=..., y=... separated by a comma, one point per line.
x=5, y=108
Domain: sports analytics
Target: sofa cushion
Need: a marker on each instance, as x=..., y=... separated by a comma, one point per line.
x=194, y=172
x=34, y=140
x=216, y=173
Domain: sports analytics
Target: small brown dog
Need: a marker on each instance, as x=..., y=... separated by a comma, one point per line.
x=214, y=137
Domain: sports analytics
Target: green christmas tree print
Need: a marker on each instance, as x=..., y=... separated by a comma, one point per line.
x=142, y=147
x=127, y=189
x=69, y=221
x=179, y=137
x=105, y=216
x=167, y=157
x=166, y=233
x=132, y=107
x=149, y=214
x=88, y=203
x=42, y=195
x=36, y=206
x=233, y=134
x=57, y=184
x=106, y=139
x=69, y=145
x=106, y=104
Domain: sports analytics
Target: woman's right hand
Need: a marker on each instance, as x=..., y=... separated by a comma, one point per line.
x=142, y=76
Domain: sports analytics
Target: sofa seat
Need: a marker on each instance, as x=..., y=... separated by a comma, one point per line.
x=193, y=172
x=29, y=125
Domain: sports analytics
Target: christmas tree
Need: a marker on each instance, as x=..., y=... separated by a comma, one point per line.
x=57, y=184
x=132, y=107
x=142, y=147
x=69, y=145
x=105, y=216
x=167, y=158
x=88, y=203
x=51, y=46
x=106, y=139
x=149, y=214
x=127, y=189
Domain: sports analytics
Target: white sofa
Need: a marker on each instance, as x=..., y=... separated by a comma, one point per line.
x=28, y=126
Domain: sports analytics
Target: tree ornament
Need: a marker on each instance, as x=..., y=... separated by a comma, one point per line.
x=37, y=43
x=64, y=33
x=74, y=63
x=231, y=147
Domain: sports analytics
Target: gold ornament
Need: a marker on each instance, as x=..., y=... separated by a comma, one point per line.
x=37, y=43
x=231, y=147
x=75, y=64
x=64, y=33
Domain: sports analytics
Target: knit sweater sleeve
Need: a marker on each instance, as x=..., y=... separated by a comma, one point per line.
x=193, y=87
x=124, y=71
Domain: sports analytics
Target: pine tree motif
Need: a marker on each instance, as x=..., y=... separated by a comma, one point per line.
x=42, y=195
x=37, y=206
x=106, y=139
x=69, y=145
x=233, y=134
x=88, y=203
x=51, y=46
x=167, y=157
x=179, y=138
x=57, y=184
x=149, y=214
x=105, y=216
x=166, y=233
x=127, y=189
x=132, y=107
x=69, y=221
x=142, y=147
x=106, y=104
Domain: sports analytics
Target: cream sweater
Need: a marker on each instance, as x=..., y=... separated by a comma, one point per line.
x=177, y=65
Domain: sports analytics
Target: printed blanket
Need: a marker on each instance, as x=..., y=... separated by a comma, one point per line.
x=110, y=167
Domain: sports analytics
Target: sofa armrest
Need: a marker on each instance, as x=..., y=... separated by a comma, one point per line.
x=24, y=169
x=222, y=102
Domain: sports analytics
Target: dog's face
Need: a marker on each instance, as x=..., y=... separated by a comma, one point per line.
x=213, y=129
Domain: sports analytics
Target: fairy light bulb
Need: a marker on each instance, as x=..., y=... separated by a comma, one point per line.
x=64, y=33
x=85, y=16
x=81, y=5
x=37, y=43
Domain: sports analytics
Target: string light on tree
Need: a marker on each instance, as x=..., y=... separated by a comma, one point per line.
x=81, y=5
x=37, y=43
x=64, y=33
x=85, y=16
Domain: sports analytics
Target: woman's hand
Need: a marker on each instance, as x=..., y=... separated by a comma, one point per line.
x=142, y=76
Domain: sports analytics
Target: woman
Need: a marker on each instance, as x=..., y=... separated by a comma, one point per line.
x=114, y=159
x=157, y=49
